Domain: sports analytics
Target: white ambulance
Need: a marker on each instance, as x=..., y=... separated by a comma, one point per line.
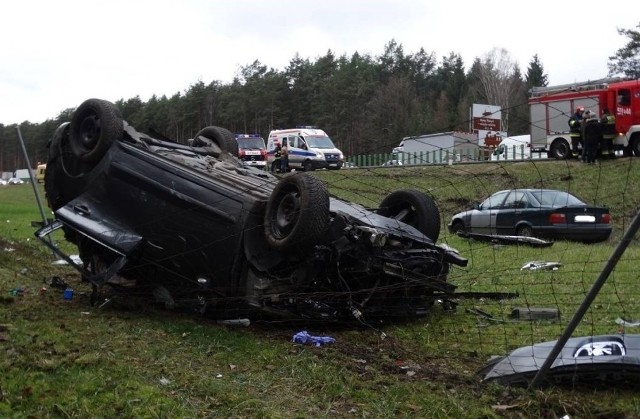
x=309, y=148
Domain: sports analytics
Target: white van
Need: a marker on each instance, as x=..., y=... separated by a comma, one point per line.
x=309, y=149
x=517, y=147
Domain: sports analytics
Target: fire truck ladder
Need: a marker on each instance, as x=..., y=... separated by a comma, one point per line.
x=573, y=87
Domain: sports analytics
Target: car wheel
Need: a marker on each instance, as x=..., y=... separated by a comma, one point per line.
x=307, y=166
x=95, y=125
x=221, y=137
x=524, y=231
x=414, y=208
x=297, y=213
x=457, y=226
x=635, y=146
x=560, y=150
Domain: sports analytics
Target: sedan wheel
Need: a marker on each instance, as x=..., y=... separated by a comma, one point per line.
x=297, y=214
x=95, y=125
x=414, y=208
x=524, y=231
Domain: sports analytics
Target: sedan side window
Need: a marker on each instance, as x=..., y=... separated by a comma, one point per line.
x=494, y=201
x=516, y=199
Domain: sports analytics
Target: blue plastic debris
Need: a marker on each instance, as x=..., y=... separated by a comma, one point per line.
x=17, y=292
x=306, y=339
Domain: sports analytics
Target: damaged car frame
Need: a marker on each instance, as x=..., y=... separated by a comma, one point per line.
x=220, y=237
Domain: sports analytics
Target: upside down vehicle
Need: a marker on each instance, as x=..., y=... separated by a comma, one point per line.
x=218, y=236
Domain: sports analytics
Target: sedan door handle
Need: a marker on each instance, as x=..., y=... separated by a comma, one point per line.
x=82, y=210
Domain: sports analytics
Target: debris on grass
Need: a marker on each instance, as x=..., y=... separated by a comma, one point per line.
x=305, y=338
x=627, y=323
x=541, y=266
x=534, y=313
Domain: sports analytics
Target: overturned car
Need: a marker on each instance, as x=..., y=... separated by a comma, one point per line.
x=191, y=220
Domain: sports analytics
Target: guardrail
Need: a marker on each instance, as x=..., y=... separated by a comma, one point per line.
x=443, y=156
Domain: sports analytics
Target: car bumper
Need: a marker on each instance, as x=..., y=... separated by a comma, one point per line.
x=587, y=233
x=319, y=164
x=255, y=163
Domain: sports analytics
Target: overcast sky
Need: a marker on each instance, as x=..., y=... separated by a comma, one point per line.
x=57, y=53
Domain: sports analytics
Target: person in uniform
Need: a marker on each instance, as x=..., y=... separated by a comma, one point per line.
x=592, y=136
x=608, y=123
x=575, y=131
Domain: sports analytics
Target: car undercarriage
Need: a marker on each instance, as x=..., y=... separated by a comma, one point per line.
x=192, y=223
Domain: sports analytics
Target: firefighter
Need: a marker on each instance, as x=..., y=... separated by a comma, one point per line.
x=284, y=160
x=592, y=137
x=277, y=155
x=575, y=130
x=608, y=123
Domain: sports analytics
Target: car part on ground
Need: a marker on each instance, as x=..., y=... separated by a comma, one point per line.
x=594, y=361
x=192, y=224
x=502, y=239
x=540, y=213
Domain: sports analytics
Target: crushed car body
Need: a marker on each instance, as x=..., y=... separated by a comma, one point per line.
x=222, y=237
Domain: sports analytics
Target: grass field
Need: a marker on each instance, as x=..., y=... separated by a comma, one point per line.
x=129, y=358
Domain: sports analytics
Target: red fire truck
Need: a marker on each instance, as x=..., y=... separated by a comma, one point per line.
x=552, y=106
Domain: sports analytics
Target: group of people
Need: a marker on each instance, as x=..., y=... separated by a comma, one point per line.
x=281, y=157
x=592, y=133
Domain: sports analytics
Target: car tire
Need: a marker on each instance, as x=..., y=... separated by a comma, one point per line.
x=635, y=146
x=221, y=137
x=307, y=166
x=414, y=208
x=457, y=226
x=297, y=214
x=95, y=125
x=524, y=231
x=560, y=150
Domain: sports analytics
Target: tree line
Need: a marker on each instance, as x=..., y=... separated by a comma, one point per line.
x=366, y=104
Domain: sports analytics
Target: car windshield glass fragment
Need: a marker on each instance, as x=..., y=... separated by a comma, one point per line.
x=319, y=142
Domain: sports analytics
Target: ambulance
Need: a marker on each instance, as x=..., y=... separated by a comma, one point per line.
x=309, y=148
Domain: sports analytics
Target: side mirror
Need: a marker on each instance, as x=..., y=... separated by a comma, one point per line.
x=476, y=206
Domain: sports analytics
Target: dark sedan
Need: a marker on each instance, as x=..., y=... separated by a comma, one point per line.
x=193, y=224
x=543, y=213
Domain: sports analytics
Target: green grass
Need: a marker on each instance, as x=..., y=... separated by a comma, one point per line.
x=130, y=359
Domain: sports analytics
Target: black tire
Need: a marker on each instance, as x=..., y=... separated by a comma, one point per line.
x=297, y=214
x=457, y=226
x=95, y=125
x=307, y=166
x=221, y=137
x=560, y=150
x=524, y=231
x=635, y=145
x=414, y=208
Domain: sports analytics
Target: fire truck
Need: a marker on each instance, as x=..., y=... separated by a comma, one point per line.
x=252, y=150
x=552, y=106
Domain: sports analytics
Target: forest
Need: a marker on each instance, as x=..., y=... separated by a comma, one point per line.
x=366, y=104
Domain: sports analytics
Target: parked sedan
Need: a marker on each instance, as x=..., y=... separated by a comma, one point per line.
x=196, y=226
x=543, y=213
